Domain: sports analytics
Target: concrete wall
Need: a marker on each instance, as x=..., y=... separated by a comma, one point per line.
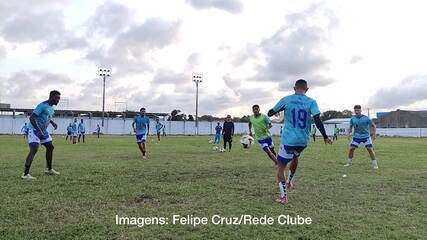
x=10, y=125
x=120, y=126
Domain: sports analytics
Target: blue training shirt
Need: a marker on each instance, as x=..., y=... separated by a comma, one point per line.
x=298, y=109
x=81, y=127
x=218, y=130
x=159, y=126
x=361, y=125
x=44, y=113
x=141, y=123
x=73, y=127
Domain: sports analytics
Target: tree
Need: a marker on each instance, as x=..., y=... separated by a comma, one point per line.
x=347, y=113
x=208, y=118
x=175, y=116
x=190, y=118
x=330, y=114
x=245, y=118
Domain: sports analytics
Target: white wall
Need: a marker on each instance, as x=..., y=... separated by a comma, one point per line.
x=403, y=132
x=10, y=125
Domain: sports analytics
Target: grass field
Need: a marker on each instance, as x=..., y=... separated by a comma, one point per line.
x=104, y=178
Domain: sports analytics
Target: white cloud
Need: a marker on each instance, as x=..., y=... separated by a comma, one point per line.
x=410, y=90
x=231, y=6
x=110, y=18
x=356, y=59
x=295, y=50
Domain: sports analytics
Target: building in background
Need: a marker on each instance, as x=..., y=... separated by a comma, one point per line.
x=402, y=119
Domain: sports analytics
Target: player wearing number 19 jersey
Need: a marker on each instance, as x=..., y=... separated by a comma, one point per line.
x=298, y=111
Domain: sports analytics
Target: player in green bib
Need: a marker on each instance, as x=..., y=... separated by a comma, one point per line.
x=313, y=132
x=261, y=125
x=336, y=133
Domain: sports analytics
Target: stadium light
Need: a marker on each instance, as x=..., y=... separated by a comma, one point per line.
x=120, y=102
x=197, y=78
x=65, y=101
x=104, y=73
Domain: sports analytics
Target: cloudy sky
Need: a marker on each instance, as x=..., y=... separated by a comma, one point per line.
x=250, y=52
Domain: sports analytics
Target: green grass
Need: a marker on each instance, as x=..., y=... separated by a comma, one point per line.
x=104, y=178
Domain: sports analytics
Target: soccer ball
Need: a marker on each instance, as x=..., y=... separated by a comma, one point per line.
x=246, y=141
x=215, y=148
x=222, y=150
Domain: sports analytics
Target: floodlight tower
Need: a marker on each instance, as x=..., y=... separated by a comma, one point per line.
x=197, y=78
x=104, y=73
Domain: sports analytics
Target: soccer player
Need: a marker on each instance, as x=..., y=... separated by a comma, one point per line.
x=313, y=132
x=364, y=132
x=159, y=127
x=261, y=124
x=25, y=130
x=164, y=131
x=74, y=131
x=336, y=132
x=38, y=134
x=69, y=133
x=98, y=129
x=141, y=126
x=298, y=110
x=81, y=129
x=228, y=132
x=218, y=130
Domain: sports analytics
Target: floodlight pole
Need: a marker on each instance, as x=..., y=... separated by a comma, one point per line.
x=104, y=73
x=67, y=101
x=197, y=78
x=103, y=100
x=118, y=102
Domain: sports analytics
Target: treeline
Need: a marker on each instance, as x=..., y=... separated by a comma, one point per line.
x=177, y=115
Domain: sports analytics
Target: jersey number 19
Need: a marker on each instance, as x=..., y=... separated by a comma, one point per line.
x=299, y=118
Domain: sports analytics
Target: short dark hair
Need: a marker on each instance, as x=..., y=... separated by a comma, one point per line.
x=54, y=93
x=357, y=107
x=301, y=83
x=141, y=109
x=255, y=106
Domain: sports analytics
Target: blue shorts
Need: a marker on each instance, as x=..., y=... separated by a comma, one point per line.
x=81, y=133
x=69, y=133
x=33, y=138
x=367, y=141
x=266, y=142
x=287, y=153
x=140, y=138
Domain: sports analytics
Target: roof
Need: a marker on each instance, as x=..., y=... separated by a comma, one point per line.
x=337, y=121
x=61, y=112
